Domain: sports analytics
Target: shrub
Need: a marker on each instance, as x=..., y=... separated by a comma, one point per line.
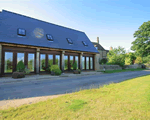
x=18, y=75
x=75, y=65
x=79, y=71
x=103, y=61
x=58, y=72
x=27, y=71
x=20, y=66
x=56, y=69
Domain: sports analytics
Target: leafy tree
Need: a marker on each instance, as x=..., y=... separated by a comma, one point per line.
x=146, y=59
x=130, y=58
x=138, y=60
x=117, y=56
x=141, y=45
x=20, y=66
x=74, y=65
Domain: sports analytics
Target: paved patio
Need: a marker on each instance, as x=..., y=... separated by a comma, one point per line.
x=5, y=80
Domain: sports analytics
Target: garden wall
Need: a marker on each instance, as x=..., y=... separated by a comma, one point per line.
x=110, y=67
x=135, y=66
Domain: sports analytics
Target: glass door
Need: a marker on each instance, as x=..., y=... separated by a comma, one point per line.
x=42, y=62
x=50, y=60
x=76, y=60
x=31, y=61
x=66, y=62
x=71, y=63
x=8, y=62
x=57, y=60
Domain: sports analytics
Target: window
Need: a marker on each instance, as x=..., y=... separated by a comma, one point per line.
x=69, y=41
x=20, y=57
x=57, y=60
x=49, y=37
x=42, y=62
x=21, y=32
x=31, y=62
x=84, y=43
x=83, y=62
x=76, y=59
x=8, y=65
x=71, y=62
x=66, y=62
x=91, y=62
x=50, y=60
x=87, y=63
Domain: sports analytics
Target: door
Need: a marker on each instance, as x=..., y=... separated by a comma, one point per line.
x=8, y=62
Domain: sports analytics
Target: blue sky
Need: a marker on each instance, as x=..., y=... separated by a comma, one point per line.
x=113, y=21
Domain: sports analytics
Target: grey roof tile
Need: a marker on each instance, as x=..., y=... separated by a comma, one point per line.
x=10, y=22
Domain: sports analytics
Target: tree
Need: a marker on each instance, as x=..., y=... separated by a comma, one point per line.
x=141, y=45
x=117, y=56
x=130, y=58
x=138, y=60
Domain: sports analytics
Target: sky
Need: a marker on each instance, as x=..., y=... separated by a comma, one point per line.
x=113, y=21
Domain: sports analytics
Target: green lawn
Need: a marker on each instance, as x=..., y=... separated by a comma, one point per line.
x=128, y=100
x=124, y=70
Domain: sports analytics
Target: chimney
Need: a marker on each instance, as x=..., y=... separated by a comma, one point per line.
x=111, y=48
x=98, y=40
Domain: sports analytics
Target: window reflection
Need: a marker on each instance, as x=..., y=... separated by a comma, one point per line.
x=71, y=62
x=42, y=62
x=83, y=62
x=50, y=60
x=76, y=59
x=91, y=62
x=57, y=60
x=31, y=62
x=87, y=62
x=20, y=57
x=66, y=62
x=8, y=65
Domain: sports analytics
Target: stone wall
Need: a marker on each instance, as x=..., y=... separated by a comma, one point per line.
x=110, y=67
x=135, y=66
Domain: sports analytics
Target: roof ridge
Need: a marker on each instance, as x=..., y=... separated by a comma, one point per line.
x=40, y=20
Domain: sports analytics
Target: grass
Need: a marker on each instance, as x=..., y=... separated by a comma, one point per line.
x=123, y=70
x=128, y=100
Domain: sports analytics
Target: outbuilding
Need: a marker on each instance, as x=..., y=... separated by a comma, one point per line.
x=40, y=44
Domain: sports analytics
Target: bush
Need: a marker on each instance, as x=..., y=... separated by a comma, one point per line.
x=79, y=71
x=18, y=75
x=56, y=69
x=27, y=71
x=20, y=66
x=103, y=61
x=74, y=65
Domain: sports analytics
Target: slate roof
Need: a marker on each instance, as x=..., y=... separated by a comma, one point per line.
x=10, y=22
x=98, y=45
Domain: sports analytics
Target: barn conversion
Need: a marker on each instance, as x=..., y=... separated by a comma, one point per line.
x=40, y=44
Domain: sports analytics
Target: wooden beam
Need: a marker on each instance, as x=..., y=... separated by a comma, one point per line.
x=35, y=47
